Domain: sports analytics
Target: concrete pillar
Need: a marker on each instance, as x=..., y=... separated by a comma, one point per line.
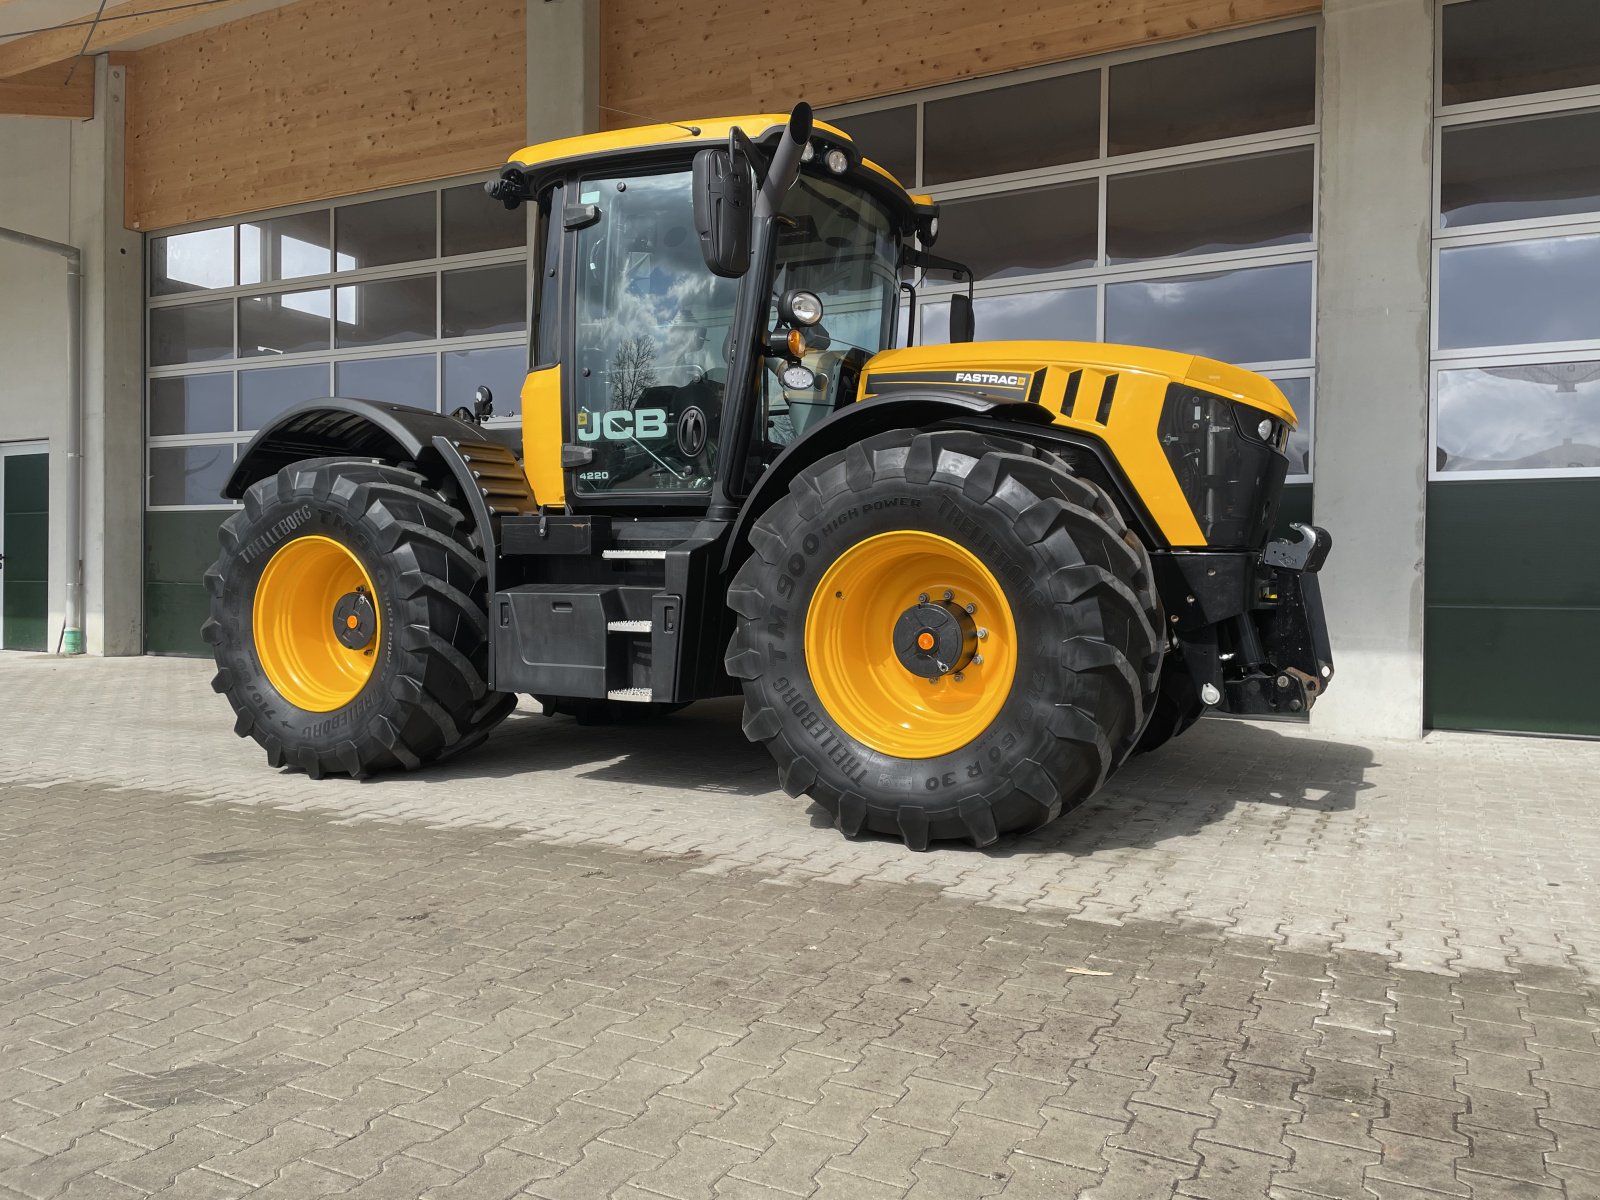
x=113, y=327
x=563, y=68
x=1372, y=357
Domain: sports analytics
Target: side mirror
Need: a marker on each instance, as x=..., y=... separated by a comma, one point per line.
x=963, y=325
x=723, y=204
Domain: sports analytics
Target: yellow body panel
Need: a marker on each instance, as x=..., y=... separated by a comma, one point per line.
x=541, y=436
x=1131, y=426
x=713, y=131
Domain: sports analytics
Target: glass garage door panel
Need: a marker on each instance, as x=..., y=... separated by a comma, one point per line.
x=25, y=541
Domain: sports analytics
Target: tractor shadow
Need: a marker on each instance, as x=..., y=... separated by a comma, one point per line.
x=1175, y=792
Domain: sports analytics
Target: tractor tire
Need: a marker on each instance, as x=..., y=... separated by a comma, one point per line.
x=932, y=528
x=326, y=553
x=1177, y=706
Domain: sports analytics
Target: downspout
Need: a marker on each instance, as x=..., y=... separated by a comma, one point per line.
x=71, y=641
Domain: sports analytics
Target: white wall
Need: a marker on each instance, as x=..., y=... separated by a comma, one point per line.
x=35, y=179
x=62, y=180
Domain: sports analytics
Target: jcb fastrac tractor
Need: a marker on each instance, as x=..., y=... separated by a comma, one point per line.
x=957, y=585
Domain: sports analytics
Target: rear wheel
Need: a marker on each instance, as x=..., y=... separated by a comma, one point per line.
x=348, y=621
x=944, y=635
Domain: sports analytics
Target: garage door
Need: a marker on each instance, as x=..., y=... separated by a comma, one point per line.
x=24, y=543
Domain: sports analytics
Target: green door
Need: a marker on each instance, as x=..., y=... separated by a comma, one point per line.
x=24, y=543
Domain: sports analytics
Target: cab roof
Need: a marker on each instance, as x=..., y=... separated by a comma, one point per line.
x=709, y=132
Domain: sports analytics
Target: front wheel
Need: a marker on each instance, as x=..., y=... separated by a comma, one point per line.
x=348, y=621
x=944, y=635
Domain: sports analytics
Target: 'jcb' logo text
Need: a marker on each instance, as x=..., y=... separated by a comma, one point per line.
x=621, y=425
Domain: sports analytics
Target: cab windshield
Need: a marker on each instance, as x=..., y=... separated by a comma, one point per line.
x=840, y=243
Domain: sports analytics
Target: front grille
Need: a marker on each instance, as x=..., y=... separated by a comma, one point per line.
x=1231, y=479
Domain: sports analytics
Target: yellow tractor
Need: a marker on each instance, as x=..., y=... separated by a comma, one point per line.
x=957, y=585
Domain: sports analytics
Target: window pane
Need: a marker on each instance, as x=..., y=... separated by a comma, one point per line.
x=485, y=300
x=501, y=370
x=1298, y=393
x=191, y=333
x=283, y=323
x=888, y=137
x=1520, y=293
x=1062, y=315
x=384, y=231
x=408, y=379
x=1016, y=128
x=1544, y=417
x=474, y=222
x=1210, y=208
x=1220, y=92
x=1259, y=314
x=189, y=474
x=1521, y=169
x=191, y=404
x=1495, y=48
x=266, y=393
x=285, y=247
x=388, y=311
x=191, y=262
x=1023, y=233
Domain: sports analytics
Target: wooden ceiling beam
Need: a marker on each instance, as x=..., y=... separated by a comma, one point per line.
x=46, y=93
x=119, y=24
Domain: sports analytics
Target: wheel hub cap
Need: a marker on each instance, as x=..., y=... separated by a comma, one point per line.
x=935, y=639
x=354, y=620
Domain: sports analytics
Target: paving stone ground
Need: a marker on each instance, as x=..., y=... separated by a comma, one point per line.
x=618, y=962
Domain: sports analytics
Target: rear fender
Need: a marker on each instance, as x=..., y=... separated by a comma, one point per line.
x=392, y=433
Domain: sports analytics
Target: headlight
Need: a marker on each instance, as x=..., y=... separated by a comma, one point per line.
x=800, y=308
x=838, y=162
x=1264, y=430
x=808, y=153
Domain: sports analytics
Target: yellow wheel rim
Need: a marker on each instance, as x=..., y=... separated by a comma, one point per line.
x=862, y=677
x=296, y=616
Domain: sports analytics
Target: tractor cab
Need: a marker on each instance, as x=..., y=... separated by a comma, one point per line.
x=702, y=301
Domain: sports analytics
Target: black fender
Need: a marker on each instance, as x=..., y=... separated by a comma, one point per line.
x=393, y=433
x=856, y=422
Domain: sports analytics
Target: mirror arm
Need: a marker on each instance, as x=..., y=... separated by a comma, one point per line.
x=910, y=290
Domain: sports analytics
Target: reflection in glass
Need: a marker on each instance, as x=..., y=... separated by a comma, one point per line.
x=1495, y=48
x=1252, y=315
x=283, y=323
x=189, y=474
x=1220, y=92
x=380, y=232
x=1520, y=293
x=475, y=222
x=265, y=394
x=191, y=333
x=1211, y=208
x=1060, y=315
x=501, y=369
x=1017, y=128
x=1023, y=233
x=284, y=247
x=386, y=311
x=1517, y=170
x=888, y=137
x=191, y=262
x=1543, y=417
x=407, y=379
x=1298, y=393
x=485, y=300
x=191, y=404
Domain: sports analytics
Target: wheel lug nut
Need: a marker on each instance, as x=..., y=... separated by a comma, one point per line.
x=971, y=608
x=948, y=595
x=977, y=660
x=922, y=598
x=960, y=677
x=982, y=633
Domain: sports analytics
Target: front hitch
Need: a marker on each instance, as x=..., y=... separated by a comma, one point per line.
x=1284, y=640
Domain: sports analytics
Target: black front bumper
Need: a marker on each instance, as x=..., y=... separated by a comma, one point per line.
x=1250, y=627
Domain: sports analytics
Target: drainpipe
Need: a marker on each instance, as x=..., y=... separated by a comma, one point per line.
x=71, y=641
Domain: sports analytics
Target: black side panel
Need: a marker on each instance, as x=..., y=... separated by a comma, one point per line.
x=551, y=640
x=395, y=433
x=861, y=420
